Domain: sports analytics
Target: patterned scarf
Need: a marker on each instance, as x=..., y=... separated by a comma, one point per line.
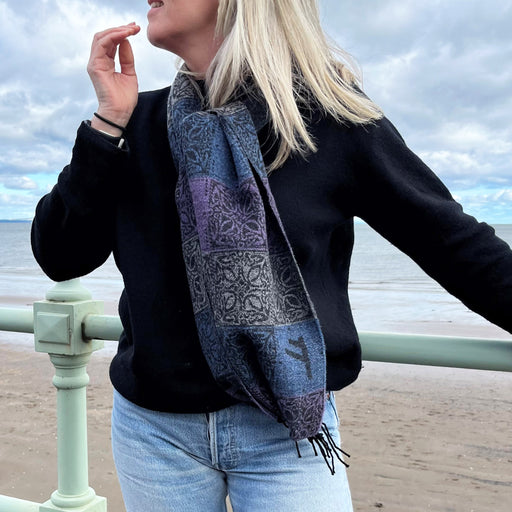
x=256, y=323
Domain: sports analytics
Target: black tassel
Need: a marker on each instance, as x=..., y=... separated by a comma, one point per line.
x=335, y=448
x=327, y=448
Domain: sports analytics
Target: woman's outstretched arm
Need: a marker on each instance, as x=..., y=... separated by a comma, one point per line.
x=402, y=199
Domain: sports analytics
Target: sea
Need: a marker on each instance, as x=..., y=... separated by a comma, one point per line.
x=388, y=291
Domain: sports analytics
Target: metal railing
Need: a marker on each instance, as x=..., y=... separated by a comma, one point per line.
x=69, y=326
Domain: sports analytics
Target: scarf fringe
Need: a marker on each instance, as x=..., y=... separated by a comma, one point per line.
x=324, y=443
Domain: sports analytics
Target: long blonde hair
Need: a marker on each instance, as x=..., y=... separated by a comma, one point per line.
x=281, y=46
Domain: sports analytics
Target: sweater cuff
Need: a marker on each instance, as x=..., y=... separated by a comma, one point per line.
x=92, y=177
x=118, y=141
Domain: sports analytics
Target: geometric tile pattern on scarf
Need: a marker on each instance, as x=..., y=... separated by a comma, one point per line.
x=240, y=288
x=293, y=303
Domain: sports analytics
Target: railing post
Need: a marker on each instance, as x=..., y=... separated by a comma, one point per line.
x=58, y=325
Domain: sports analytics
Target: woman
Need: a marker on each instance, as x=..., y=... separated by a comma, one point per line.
x=228, y=282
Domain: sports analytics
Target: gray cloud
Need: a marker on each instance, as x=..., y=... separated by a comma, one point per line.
x=441, y=70
x=18, y=183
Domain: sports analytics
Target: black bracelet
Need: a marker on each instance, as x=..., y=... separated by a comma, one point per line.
x=110, y=122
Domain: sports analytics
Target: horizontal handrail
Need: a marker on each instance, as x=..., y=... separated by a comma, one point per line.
x=102, y=327
x=8, y=504
x=422, y=349
x=430, y=350
x=17, y=320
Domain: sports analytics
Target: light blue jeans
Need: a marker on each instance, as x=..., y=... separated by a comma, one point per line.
x=190, y=462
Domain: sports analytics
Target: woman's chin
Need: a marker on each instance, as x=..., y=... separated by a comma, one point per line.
x=155, y=37
x=162, y=41
x=150, y=33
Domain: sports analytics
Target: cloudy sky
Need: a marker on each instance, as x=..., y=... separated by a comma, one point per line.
x=440, y=69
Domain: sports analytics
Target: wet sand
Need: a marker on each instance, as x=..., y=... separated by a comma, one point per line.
x=421, y=439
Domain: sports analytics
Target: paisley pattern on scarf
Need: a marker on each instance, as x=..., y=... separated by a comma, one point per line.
x=229, y=218
x=302, y=411
x=256, y=323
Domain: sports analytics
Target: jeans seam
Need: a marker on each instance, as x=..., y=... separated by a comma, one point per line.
x=332, y=404
x=212, y=436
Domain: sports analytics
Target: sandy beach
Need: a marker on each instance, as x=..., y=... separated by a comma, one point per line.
x=421, y=439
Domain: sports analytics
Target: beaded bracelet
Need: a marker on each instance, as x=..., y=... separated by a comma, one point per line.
x=114, y=125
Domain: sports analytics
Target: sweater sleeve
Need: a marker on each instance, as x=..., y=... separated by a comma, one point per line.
x=72, y=232
x=403, y=200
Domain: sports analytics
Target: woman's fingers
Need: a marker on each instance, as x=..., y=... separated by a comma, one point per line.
x=117, y=92
x=111, y=39
x=126, y=60
x=123, y=30
x=105, y=43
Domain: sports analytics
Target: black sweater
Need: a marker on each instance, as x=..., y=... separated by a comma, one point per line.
x=122, y=200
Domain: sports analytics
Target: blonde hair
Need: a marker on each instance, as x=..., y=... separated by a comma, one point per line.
x=281, y=46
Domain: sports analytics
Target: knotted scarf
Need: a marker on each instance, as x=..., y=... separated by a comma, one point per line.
x=256, y=323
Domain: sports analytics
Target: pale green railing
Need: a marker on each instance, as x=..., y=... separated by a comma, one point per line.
x=69, y=326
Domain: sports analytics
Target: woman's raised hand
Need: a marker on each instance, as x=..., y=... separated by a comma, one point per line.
x=117, y=92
